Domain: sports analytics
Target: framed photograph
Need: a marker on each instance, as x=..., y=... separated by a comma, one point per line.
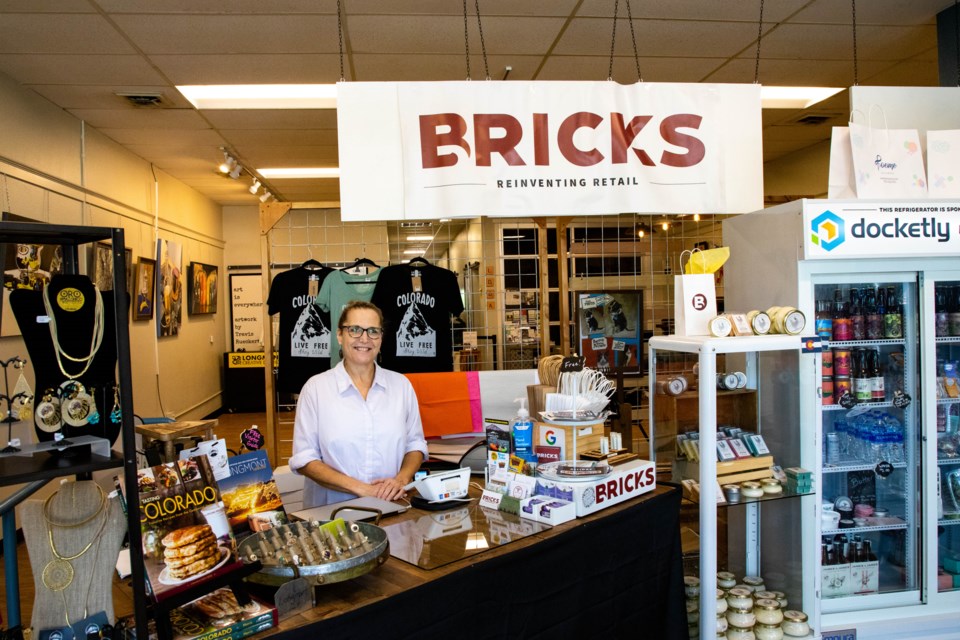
x=145, y=279
x=610, y=330
x=202, y=288
x=25, y=266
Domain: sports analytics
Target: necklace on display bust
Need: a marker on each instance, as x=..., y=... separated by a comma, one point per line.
x=58, y=573
x=95, y=340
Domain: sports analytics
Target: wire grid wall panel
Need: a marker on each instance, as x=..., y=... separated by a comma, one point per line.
x=497, y=262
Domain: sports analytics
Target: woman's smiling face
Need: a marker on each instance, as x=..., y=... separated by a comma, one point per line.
x=362, y=350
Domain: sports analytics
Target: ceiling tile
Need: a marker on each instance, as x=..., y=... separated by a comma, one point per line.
x=165, y=137
x=794, y=73
x=73, y=96
x=696, y=10
x=281, y=137
x=235, y=6
x=187, y=34
x=625, y=70
x=78, y=69
x=141, y=118
x=835, y=42
x=444, y=34
x=68, y=33
x=256, y=119
x=664, y=38
x=446, y=7
x=249, y=68
x=439, y=67
x=45, y=6
x=888, y=12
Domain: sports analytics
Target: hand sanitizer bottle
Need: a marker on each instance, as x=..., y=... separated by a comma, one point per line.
x=521, y=431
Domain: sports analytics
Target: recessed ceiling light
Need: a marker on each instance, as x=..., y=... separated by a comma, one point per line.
x=419, y=238
x=413, y=252
x=261, y=96
x=300, y=172
x=794, y=97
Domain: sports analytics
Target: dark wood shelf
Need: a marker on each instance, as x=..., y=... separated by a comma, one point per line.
x=16, y=469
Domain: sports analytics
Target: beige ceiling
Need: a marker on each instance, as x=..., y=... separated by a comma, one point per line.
x=80, y=53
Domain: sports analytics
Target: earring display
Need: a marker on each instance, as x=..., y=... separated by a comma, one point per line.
x=19, y=403
x=48, y=416
x=94, y=417
x=115, y=413
x=76, y=404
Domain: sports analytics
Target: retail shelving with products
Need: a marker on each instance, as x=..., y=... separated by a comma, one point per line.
x=764, y=536
x=35, y=471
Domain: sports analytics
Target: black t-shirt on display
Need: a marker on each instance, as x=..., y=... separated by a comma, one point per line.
x=305, y=336
x=417, y=337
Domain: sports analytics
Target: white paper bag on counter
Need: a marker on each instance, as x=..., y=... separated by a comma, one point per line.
x=943, y=163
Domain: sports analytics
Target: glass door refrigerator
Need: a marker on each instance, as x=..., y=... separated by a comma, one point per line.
x=865, y=274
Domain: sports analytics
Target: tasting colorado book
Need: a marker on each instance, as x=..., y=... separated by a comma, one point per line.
x=186, y=536
x=250, y=495
x=216, y=615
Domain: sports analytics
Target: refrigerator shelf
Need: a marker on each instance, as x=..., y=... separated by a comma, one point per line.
x=865, y=343
x=858, y=466
x=947, y=522
x=837, y=407
x=885, y=527
x=947, y=340
x=948, y=400
x=946, y=461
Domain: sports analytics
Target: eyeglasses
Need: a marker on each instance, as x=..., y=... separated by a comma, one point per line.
x=355, y=331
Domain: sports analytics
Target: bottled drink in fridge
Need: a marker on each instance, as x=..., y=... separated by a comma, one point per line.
x=877, y=386
x=872, y=316
x=942, y=317
x=824, y=320
x=954, y=311
x=841, y=320
x=858, y=328
x=893, y=318
x=862, y=377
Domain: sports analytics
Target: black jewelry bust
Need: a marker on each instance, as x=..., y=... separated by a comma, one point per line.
x=72, y=301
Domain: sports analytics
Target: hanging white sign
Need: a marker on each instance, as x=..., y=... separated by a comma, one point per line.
x=464, y=149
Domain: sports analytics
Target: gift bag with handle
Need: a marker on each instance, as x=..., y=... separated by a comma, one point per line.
x=694, y=298
x=943, y=163
x=888, y=163
x=841, y=182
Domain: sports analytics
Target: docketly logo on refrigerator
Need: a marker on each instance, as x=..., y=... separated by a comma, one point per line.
x=827, y=231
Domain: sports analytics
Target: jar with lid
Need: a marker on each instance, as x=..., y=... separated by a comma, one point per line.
x=795, y=624
x=741, y=617
x=726, y=580
x=722, y=623
x=740, y=598
x=721, y=601
x=768, y=611
x=751, y=489
x=771, y=486
x=771, y=595
x=691, y=586
x=755, y=583
x=693, y=613
x=740, y=633
x=767, y=632
x=781, y=598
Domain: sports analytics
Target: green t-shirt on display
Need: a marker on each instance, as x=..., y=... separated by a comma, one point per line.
x=337, y=290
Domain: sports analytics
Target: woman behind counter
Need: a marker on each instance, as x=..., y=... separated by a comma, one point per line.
x=357, y=430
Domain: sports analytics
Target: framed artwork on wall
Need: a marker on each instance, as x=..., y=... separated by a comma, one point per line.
x=202, y=288
x=145, y=291
x=610, y=330
x=169, y=287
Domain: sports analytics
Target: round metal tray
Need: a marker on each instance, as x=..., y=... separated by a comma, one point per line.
x=281, y=552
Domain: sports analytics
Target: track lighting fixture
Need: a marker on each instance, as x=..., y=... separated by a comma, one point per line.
x=255, y=187
x=266, y=196
x=228, y=163
x=236, y=171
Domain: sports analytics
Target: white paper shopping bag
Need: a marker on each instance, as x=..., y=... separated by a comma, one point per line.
x=694, y=303
x=888, y=162
x=841, y=183
x=943, y=163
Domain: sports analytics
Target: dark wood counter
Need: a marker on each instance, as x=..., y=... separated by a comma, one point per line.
x=617, y=573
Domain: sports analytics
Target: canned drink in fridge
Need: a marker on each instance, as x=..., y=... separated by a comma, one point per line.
x=827, y=395
x=832, y=453
x=826, y=363
x=841, y=362
x=841, y=385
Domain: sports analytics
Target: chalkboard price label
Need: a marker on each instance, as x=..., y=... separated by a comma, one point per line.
x=884, y=469
x=572, y=364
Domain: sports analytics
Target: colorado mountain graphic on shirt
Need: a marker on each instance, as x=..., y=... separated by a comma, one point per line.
x=415, y=337
x=310, y=337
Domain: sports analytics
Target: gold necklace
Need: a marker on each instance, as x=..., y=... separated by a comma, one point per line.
x=58, y=574
x=71, y=525
x=95, y=340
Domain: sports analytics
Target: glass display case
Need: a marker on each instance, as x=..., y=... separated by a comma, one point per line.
x=764, y=537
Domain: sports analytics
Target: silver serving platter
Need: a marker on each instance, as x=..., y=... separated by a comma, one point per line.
x=356, y=549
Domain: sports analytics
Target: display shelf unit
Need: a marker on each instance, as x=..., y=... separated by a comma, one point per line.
x=680, y=414
x=785, y=352
x=34, y=472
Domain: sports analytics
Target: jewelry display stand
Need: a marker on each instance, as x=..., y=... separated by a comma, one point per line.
x=35, y=468
x=6, y=397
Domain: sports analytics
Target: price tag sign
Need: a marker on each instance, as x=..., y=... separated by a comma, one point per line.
x=901, y=400
x=572, y=364
x=884, y=469
x=293, y=597
x=252, y=439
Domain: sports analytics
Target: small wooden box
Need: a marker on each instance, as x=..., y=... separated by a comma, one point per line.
x=587, y=437
x=730, y=472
